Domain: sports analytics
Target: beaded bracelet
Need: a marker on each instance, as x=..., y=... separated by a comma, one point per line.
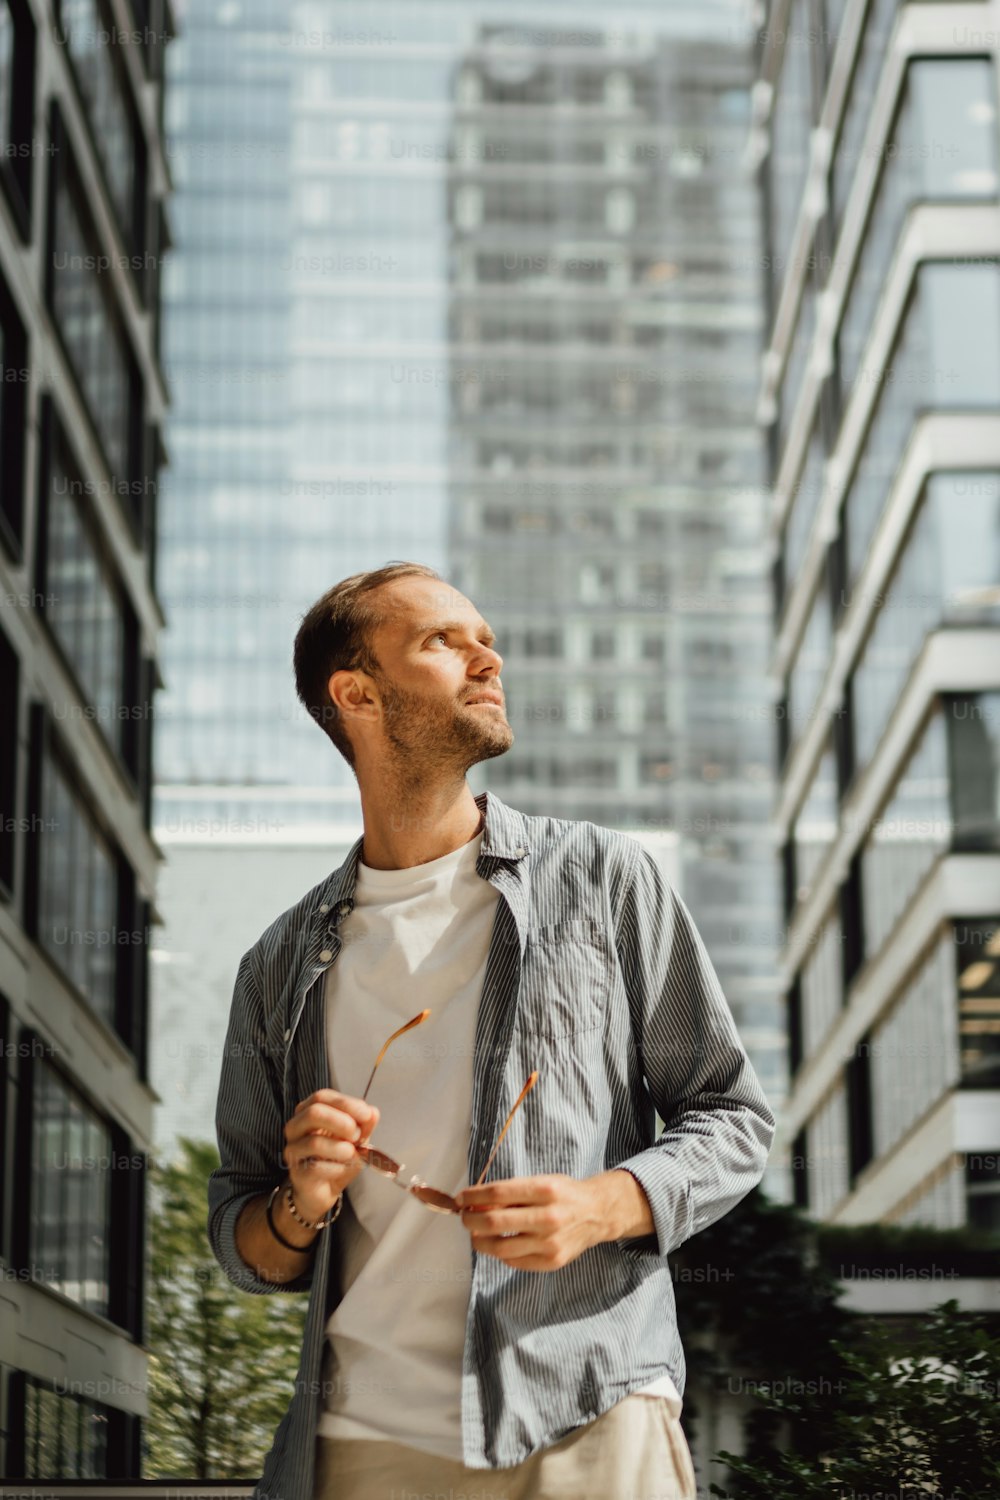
x=299, y=1249
x=320, y=1223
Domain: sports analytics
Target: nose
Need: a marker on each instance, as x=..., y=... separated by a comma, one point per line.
x=494, y=660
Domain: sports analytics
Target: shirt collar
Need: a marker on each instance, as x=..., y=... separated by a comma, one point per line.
x=504, y=838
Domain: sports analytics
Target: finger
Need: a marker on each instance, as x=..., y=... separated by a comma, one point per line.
x=509, y=1190
x=322, y=1149
x=483, y=1223
x=360, y=1109
x=514, y=1250
x=326, y=1118
x=314, y=1168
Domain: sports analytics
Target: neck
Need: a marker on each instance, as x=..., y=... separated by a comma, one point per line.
x=413, y=825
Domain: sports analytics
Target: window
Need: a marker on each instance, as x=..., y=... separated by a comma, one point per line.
x=859, y=1107
x=942, y=146
x=87, y=31
x=653, y=647
x=791, y=122
x=70, y=1193
x=938, y=362
x=81, y=901
x=542, y=643
x=656, y=769
x=815, y=825
x=9, y=740
x=795, y=1028
x=977, y=958
x=82, y=304
x=800, y=1171
x=84, y=604
x=64, y=1436
x=17, y=94
x=77, y=896
x=851, y=925
x=982, y=1190
x=13, y=393
x=152, y=37
x=912, y=829
x=973, y=721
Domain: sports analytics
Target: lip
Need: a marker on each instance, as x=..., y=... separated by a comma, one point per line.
x=486, y=698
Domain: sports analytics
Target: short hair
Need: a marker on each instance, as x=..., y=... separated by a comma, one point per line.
x=335, y=634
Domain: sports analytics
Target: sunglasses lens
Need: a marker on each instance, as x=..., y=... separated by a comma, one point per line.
x=379, y=1161
x=441, y=1203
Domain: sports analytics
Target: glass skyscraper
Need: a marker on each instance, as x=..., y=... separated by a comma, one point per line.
x=606, y=507
x=476, y=286
x=83, y=228
x=880, y=149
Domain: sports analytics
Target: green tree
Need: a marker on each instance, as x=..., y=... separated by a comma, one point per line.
x=222, y=1362
x=915, y=1418
x=757, y=1307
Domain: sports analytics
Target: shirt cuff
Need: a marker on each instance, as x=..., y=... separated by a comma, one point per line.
x=669, y=1203
x=222, y=1235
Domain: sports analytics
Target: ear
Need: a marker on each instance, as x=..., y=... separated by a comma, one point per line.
x=351, y=692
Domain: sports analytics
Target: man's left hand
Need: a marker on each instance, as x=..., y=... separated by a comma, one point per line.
x=537, y=1223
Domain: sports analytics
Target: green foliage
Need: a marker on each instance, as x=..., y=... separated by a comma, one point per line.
x=223, y=1363
x=758, y=1308
x=915, y=1418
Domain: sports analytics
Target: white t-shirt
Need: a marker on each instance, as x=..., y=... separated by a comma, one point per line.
x=416, y=938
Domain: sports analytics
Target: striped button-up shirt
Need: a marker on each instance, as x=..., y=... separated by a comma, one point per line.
x=597, y=976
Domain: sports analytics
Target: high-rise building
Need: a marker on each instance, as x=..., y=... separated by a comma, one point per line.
x=607, y=508
x=877, y=128
x=356, y=376
x=83, y=180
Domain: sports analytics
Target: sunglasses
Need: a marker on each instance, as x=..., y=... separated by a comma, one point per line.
x=440, y=1203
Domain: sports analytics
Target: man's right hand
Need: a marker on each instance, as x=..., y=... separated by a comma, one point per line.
x=319, y=1148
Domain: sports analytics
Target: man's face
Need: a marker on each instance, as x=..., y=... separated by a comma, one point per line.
x=435, y=656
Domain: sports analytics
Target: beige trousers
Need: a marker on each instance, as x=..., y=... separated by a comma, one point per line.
x=634, y=1451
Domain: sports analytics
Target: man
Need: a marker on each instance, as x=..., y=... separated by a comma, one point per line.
x=530, y=1333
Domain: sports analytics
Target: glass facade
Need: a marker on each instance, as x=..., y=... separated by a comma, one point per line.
x=85, y=32
x=913, y=829
x=492, y=303
x=847, y=157
x=943, y=147
x=77, y=890
x=939, y=362
x=974, y=740
x=63, y=1434
x=933, y=1032
x=815, y=825
x=17, y=102
x=977, y=957
x=947, y=573
x=807, y=494
x=82, y=182
x=791, y=123
x=85, y=604
x=70, y=1193
x=87, y=318
x=811, y=662
x=10, y=679
x=13, y=365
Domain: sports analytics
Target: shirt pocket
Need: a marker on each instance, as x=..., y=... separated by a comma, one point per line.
x=566, y=979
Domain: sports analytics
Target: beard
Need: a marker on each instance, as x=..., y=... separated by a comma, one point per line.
x=424, y=734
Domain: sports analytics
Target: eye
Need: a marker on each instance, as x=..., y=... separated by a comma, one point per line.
x=439, y=635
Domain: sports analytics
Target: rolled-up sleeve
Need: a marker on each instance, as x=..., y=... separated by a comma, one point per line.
x=718, y=1127
x=251, y=1134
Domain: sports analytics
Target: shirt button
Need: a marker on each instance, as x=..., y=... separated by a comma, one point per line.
x=326, y=955
x=288, y=1034
x=344, y=908
x=325, y=907
x=519, y=850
